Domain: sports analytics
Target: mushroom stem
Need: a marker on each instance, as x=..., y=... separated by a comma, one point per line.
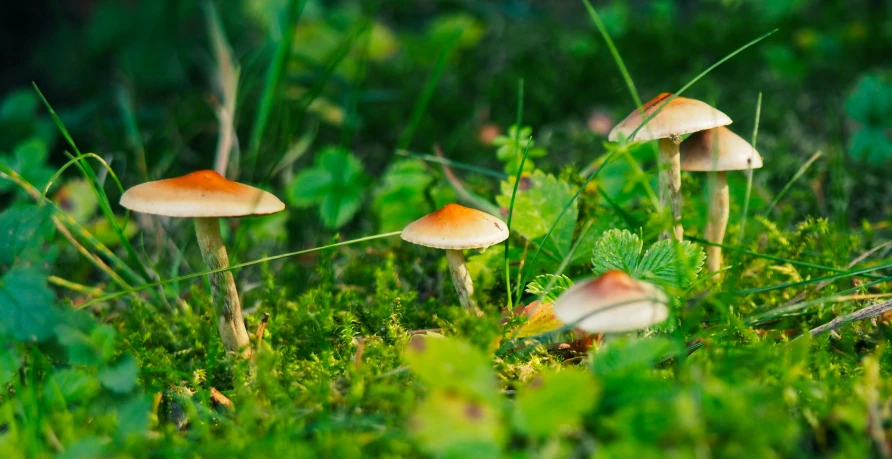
x=223, y=291
x=670, y=184
x=461, y=278
x=718, y=221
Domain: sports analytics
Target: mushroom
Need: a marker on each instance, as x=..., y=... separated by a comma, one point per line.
x=455, y=228
x=207, y=196
x=718, y=150
x=612, y=302
x=679, y=117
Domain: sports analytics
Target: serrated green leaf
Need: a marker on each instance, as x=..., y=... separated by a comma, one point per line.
x=449, y=425
x=617, y=249
x=26, y=305
x=120, y=377
x=555, y=401
x=539, y=286
x=671, y=263
x=450, y=364
x=539, y=201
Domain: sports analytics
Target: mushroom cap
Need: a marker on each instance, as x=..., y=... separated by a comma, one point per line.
x=456, y=227
x=200, y=194
x=612, y=302
x=681, y=116
x=718, y=149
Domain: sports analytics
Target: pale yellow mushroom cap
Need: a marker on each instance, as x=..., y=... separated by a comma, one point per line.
x=200, y=194
x=612, y=302
x=681, y=116
x=718, y=149
x=456, y=227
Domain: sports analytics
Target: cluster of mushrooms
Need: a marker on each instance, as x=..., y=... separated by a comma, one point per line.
x=612, y=302
x=711, y=147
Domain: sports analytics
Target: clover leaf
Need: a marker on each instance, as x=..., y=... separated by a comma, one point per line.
x=336, y=183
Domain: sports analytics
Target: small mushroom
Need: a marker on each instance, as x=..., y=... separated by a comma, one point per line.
x=207, y=196
x=718, y=150
x=455, y=228
x=610, y=303
x=681, y=116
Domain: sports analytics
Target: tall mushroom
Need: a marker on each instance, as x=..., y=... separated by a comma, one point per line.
x=207, y=196
x=455, y=228
x=681, y=116
x=610, y=303
x=718, y=150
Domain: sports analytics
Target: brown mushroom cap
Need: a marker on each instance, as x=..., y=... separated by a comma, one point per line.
x=718, y=149
x=681, y=116
x=612, y=302
x=456, y=227
x=200, y=194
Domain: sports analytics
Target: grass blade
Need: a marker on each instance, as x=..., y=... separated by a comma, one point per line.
x=101, y=197
x=234, y=267
x=273, y=75
x=795, y=177
x=428, y=92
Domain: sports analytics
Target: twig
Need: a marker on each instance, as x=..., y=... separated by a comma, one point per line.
x=865, y=313
x=261, y=328
x=424, y=331
x=359, y=341
x=218, y=398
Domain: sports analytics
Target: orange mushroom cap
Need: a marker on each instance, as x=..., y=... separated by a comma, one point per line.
x=612, y=302
x=456, y=227
x=200, y=194
x=679, y=117
x=718, y=149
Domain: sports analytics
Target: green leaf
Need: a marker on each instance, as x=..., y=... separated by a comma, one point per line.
x=555, y=401
x=10, y=362
x=120, y=377
x=450, y=364
x=26, y=305
x=538, y=286
x=21, y=104
x=540, y=200
x=400, y=195
x=631, y=355
x=23, y=231
x=29, y=160
x=512, y=146
x=309, y=187
x=335, y=183
x=669, y=262
x=451, y=426
x=871, y=102
x=69, y=386
x=617, y=249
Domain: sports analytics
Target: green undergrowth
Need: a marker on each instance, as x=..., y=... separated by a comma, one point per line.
x=364, y=117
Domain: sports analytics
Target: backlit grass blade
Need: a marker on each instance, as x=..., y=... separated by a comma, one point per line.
x=523, y=160
x=428, y=92
x=233, y=267
x=98, y=190
x=795, y=177
x=453, y=164
x=273, y=75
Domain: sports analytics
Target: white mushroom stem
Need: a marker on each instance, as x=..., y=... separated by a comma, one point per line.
x=718, y=221
x=670, y=183
x=223, y=291
x=461, y=278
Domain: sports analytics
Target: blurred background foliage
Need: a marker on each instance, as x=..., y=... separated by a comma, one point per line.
x=137, y=79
